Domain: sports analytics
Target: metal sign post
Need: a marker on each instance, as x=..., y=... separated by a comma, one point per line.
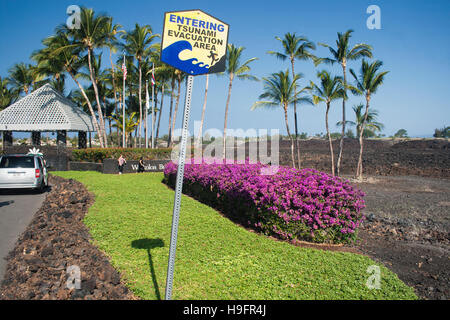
x=124, y=70
x=205, y=54
x=178, y=189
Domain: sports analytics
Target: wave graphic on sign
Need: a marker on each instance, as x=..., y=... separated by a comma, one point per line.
x=171, y=55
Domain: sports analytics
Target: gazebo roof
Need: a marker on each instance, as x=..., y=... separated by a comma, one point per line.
x=44, y=110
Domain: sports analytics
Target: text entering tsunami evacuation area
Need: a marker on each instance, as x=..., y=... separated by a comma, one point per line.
x=202, y=32
x=194, y=42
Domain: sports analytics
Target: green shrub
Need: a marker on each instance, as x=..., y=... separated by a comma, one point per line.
x=99, y=154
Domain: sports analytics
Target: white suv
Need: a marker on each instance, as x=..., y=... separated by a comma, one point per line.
x=19, y=171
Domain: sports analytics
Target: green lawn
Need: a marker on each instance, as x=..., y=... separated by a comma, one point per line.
x=216, y=259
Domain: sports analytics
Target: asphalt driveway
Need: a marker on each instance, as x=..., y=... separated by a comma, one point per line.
x=17, y=208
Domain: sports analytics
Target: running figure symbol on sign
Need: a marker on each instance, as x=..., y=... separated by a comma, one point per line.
x=213, y=57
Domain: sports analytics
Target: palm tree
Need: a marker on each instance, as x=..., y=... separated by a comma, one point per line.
x=102, y=78
x=234, y=68
x=371, y=123
x=162, y=78
x=295, y=47
x=200, y=130
x=112, y=87
x=280, y=91
x=112, y=43
x=130, y=124
x=77, y=97
x=331, y=88
x=179, y=76
x=137, y=44
x=172, y=94
x=154, y=66
x=59, y=56
x=342, y=54
x=45, y=68
x=21, y=78
x=92, y=34
x=7, y=96
x=131, y=85
x=146, y=66
x=368, y=82
x=171, y=74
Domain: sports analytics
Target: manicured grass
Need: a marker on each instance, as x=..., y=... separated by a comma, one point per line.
x=216, y=259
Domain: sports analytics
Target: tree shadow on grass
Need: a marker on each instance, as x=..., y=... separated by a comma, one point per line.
x=149, y=244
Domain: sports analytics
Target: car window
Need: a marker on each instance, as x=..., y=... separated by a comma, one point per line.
x=17, y=162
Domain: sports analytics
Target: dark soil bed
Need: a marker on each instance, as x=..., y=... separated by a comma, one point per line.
x=407, y=229
x=426, y=158
x=55, y=240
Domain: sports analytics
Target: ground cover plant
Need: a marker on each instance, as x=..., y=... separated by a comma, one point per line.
x=303, y=204
x=216, y=259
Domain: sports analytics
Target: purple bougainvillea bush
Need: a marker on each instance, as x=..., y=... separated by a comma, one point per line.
x=302, y=204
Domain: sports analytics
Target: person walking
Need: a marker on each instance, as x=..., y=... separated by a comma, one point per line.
x=141, y=167
x=121, y=162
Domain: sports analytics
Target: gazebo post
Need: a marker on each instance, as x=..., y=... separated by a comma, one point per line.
x=35, y=138
x=7, y=139
x=61, y=138
x=82, y=140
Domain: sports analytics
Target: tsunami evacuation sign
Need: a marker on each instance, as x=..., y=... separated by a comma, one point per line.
x=194, y=42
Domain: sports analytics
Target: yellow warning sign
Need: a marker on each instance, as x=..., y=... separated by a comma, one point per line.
x=194, y=42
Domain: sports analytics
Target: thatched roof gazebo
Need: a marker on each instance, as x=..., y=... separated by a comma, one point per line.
x=45, y=110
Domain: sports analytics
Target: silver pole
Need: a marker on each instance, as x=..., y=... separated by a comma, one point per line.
x=153, y=113
x=146, y=114
x=179, y=186
x=123, y=108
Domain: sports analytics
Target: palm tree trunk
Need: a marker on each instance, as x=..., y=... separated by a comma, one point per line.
x=110, y=131
x=154, y=116
x=289, y=134
x=341, y=142
x=176, y=108
x=226, y=117
x=118, y=130
x=359, y=169
x=170, y=112
x=105, y=117
x=113, y=69
x=97, y=98
x=91, y=110
x=297, y=147
x=140, y=102
x=329, y=139
x=160, y=113
x=200, y=131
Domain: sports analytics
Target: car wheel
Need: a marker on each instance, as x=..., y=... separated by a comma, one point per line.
x=41, y=188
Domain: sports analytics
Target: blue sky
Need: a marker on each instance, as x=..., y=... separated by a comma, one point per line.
x=413, y=44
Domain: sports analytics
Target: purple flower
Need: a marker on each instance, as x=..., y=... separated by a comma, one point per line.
x=290, y=198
